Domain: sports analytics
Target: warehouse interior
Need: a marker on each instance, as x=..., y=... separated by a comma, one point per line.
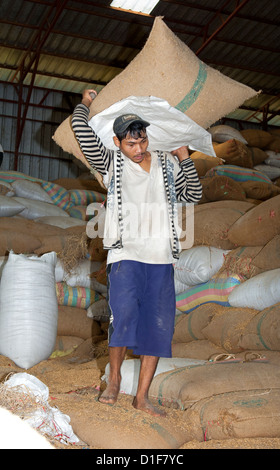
x=217, y=61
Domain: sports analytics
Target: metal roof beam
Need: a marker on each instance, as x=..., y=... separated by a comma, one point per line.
x=219, y=13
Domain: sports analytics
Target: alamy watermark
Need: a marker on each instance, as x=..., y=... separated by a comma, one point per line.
x=144, y=221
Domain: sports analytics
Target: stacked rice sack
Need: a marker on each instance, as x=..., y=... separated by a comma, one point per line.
x=40, y=218
x=236, y=247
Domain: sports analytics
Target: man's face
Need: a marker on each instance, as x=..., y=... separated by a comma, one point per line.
x=134, y=149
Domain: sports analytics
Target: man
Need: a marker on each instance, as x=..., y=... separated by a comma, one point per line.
x=141, y=295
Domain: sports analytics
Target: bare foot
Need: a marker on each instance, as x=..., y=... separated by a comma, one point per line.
x=147, y=407
x=110, y=395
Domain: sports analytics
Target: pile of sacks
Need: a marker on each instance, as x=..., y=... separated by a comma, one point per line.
x=228, y=282
x=43, y=228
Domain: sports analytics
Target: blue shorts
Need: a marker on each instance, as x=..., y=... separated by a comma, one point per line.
x=142, y=304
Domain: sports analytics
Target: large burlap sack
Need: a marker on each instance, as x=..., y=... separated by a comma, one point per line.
x=259, y=190
x=219, y=188
x=263, y=330
x=256, y=155
x=73, y=321
x=28, y=309
x=189, y=327
x=274, y=145
x=269, y=256
x=17, y=242
x=186, y=386
x=111, y=427
x=227, y=325
x=203, y=163
x=237, y=414
x=211, y=227
x=258, y=226
x=171, y=71
x=233, y=152
x=257, y=137
x=241, y=261
x=198, y=349
x=259, y=292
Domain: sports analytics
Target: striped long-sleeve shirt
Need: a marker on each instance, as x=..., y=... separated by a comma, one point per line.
x=180, y=179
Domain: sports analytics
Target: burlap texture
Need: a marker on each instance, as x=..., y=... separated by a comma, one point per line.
x=168, y=69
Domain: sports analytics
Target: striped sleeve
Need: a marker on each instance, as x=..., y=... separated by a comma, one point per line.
x=187, y=184
x=98, y=156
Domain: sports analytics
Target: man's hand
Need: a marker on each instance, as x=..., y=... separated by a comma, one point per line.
x=87, y=99
x=181, y=153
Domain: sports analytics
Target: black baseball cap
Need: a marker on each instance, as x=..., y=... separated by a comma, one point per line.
x=122, y=122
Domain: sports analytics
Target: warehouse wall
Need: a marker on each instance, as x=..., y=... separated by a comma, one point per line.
x=39, y=155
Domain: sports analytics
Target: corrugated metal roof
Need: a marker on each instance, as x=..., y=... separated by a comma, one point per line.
x=90, y=43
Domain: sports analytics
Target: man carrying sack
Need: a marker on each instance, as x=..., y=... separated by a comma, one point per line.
x=142, y=238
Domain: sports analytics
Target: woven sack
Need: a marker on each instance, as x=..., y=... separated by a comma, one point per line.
x=73, y=321
x=211, y=227
x=234, y=152
x=257, y=138
x=236, y=415
x=269, y=256
x=171, y=71
x=30, y=190
x=189, y=327
x=258, y=226
x=238, y=173
x=28, y=309
x=222, y=133
x=263, y=331
x=9, y=206
x=226, y=327
x=241, y=261
x=81, y=297
x=221, y=188
x=17, y=242
x=259, y=190
x=201, y=349
x=185, y=386
x=256, y=155
x=217, y=290
x=259, y=292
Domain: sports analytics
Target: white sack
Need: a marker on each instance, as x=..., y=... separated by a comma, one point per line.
x=259, y=292
x=47, y=419
x=169, y=128
x=80, y=275
x=15, y=433
x=3, y=261
x=273, y=160
x=60, y=221
x=198, y=264
x=30, y=190
x=9, y=206
x=272, y=172
x=28, y=309
x=34, y=209
x=223, y=133
x=130, y=371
